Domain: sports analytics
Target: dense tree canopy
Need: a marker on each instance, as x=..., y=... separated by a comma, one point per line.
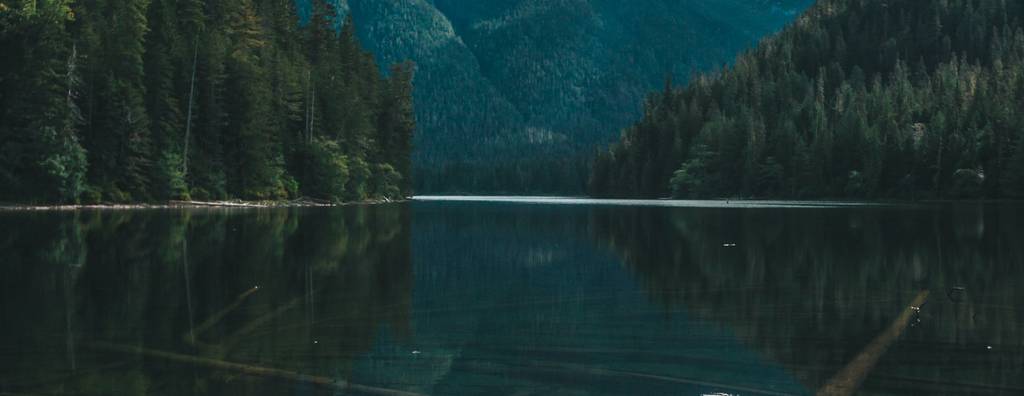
x=857, y=98
x=140, y=100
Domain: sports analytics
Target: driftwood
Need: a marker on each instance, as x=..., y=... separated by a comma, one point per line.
x=849, y=379
x=250, y=370
x=305, y=201
x=216, y=317
x=235, y=337
x=233, y=204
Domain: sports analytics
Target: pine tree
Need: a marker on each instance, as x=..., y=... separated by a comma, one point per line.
x=255, y=162
x=40, y=154
x=396, y=123
x=847, y=117
x=119, y=138
x=1013, y=176
x=166, y=47
x=194, y=99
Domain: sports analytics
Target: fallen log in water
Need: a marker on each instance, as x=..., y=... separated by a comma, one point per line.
x=849, y=379
x=216, y=317
x=235, y=337
x=250, y=370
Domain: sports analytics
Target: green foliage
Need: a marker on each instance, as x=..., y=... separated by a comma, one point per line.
x=40, y=153
x=1013, y=178
x=855, y=185
x=329, y=172
x=185, y=99
x=170, y=178
x=64, y=165
x=693, y=179
x=830, y=107
x=387, y=182
x=91, y=196
x=357, y=188
x=771, y=177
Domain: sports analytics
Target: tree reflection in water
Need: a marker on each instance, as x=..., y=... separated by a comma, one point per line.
x=292, y=289
x=810, y=287
x=512, y=297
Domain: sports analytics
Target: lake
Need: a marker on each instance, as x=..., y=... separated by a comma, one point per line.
x=454, y=295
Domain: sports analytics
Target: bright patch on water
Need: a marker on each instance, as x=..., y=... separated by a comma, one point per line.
x=667, y=203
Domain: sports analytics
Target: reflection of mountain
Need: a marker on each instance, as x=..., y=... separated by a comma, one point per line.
x=810, y=287
x=515, y=298
x=512, y=298
x=330, y=282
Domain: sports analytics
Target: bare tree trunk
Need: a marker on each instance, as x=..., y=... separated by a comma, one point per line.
x=308, y=108
x=72, y=65
x=251, y=370
x=937, y=179
x=312, y=113
x=188, y=120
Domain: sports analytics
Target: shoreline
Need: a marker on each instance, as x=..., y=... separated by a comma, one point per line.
x=314, y=203
x=705, y=203
x=428, y=197
x=231, y=204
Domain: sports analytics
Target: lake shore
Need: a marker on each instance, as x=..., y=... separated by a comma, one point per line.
x=230, y=204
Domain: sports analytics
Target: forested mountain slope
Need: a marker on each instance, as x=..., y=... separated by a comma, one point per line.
x=857, y=98
x=513, y=95
x=140, y=100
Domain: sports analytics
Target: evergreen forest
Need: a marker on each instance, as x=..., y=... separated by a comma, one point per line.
x=856, y=99
x=153, y=100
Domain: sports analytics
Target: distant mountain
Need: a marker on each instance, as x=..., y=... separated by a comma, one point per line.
x=510, y=93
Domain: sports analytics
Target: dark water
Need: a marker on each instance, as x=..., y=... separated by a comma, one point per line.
x=510, y=298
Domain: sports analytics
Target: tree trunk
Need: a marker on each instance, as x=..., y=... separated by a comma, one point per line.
x=188, y=118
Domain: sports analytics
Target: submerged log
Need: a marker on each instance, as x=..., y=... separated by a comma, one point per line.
x=218, y=316
x=231, y=340
x=250, y=370
x=849, y=379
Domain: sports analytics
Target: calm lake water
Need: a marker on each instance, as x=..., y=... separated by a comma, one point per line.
x=527, y=296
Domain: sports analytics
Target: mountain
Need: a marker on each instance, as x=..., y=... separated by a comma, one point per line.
x=856, y=99
x=513, y=95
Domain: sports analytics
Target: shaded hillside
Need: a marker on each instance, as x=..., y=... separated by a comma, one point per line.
x=512, y=95
x=859, y=98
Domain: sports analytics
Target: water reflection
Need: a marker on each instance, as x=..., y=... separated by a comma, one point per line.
x=518, y=299
x=289, y=289
x=502, y=298
x=808, y=288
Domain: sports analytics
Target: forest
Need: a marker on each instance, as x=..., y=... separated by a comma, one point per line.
x=155, y=100
x=512, y=96
x=866, y=99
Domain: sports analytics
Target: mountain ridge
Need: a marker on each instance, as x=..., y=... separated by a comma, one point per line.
x=510, y=91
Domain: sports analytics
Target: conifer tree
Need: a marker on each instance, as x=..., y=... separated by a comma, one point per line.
x=137, y=100
x=846, y=118
x=40, y=153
